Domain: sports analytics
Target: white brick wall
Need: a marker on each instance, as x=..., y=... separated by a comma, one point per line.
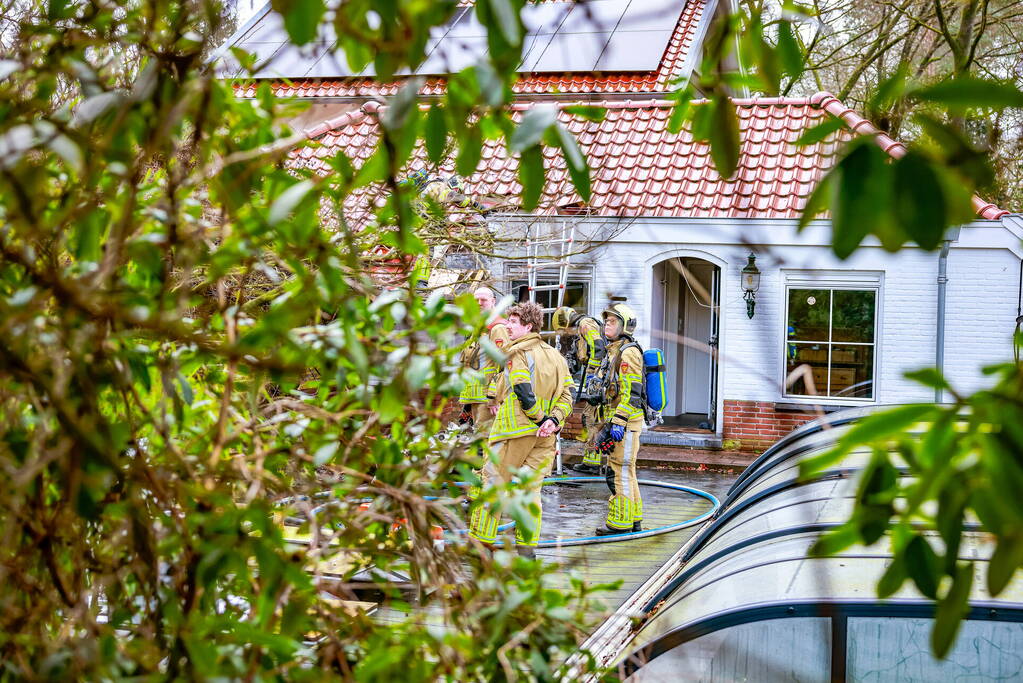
x=983, y=276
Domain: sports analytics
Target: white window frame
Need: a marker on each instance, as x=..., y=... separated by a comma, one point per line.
x=581, y=274
x=832, y=280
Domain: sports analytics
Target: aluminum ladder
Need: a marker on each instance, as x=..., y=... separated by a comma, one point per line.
x=538, y=259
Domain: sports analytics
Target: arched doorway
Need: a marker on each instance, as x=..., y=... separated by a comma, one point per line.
x=686, y=320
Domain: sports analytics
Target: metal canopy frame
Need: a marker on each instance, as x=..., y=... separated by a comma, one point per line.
x=839, y=612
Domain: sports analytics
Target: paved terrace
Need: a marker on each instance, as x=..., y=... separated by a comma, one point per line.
x=575, y=511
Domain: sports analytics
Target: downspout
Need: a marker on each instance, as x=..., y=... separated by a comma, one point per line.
x=939, y=346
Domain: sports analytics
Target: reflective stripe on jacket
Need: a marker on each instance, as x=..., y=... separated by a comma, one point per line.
x=625, y=387
x=535, y=383
x=478, y=388
x=590, y=345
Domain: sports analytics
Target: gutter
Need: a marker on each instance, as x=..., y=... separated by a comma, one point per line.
x=939, y=345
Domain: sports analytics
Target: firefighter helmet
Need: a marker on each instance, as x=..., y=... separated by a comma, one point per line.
x=562, y=318
x=625, y=315
x=419, y=177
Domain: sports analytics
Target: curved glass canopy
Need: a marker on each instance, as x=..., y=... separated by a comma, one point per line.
x=749, y=604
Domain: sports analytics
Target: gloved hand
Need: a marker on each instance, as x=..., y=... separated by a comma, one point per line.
x=617, y=432
x=465, y=417
x=604, y=444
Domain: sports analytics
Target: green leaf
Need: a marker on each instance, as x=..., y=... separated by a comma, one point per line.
x=59, y=9
x=401, y=105
x=585, y=111
x=863, y=197
x=789, y=50
x=889, y=91
x=187, y=395
x=139, y=370
x=288, y=201
x=923, y=566
x=325, y=452
x=919, y=200
x=893, y=578
x=930, y=377
x=470, y=151
x=534, y=124
x=301, y=18
x=835, y=541
x=819, y=200
x=578, y=169
x=950, y=611
x=531, y=175
x=890, y=422
x=491, y=85
x=961, y=94
x=374, y=169
x=821, y=131
x=436, y=131
x=1006, y=559
x=681, y=110
x=724, y=137
x=507, y=20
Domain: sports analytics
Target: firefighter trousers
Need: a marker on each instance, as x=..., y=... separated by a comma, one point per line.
x=531, y=452
x=481, y=421
x=626, y=505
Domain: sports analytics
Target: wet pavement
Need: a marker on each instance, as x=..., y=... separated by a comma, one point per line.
x=577, y=511
x=571, y=511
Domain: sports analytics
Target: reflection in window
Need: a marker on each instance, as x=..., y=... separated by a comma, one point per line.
x=898, y=649
x=830, y=342
x=795, y=649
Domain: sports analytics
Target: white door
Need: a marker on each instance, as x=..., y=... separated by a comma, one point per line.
x=696, y=365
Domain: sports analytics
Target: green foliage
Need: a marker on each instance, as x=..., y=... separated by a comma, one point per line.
x=186, y=344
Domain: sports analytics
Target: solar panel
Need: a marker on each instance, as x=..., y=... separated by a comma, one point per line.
x=453, y=54
x=633, y=51
x=596, y=35
x=545, y=18
x=651, y=15
x=594, y=16
x=570, y=52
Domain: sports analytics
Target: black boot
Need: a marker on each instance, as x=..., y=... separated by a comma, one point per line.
x=608, y=531
x=586, y=468
x=637, y=526
x=526, y=551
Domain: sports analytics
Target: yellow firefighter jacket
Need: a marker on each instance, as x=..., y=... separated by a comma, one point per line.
x=475, y=358
x=589, y=346
x=533, y=384
x=623, y=375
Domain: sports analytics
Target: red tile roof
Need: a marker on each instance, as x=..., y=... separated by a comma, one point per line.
x=528, y=84
x=639, y=168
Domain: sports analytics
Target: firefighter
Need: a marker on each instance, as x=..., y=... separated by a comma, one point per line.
x=533, y=394
x=450, y=191
x=474, y=396
x=587, y=344
x=621, y=377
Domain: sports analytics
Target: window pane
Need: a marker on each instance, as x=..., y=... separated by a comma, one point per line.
x=795, y=649
x=898, y=649
x=815, y=358
x=809, y=310
x=853, y=316
x=575, y=296
x=852, y=371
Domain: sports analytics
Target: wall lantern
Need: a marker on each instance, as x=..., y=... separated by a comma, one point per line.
x=750, y=284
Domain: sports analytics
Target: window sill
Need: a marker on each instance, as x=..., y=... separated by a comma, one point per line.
x=801, y=407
